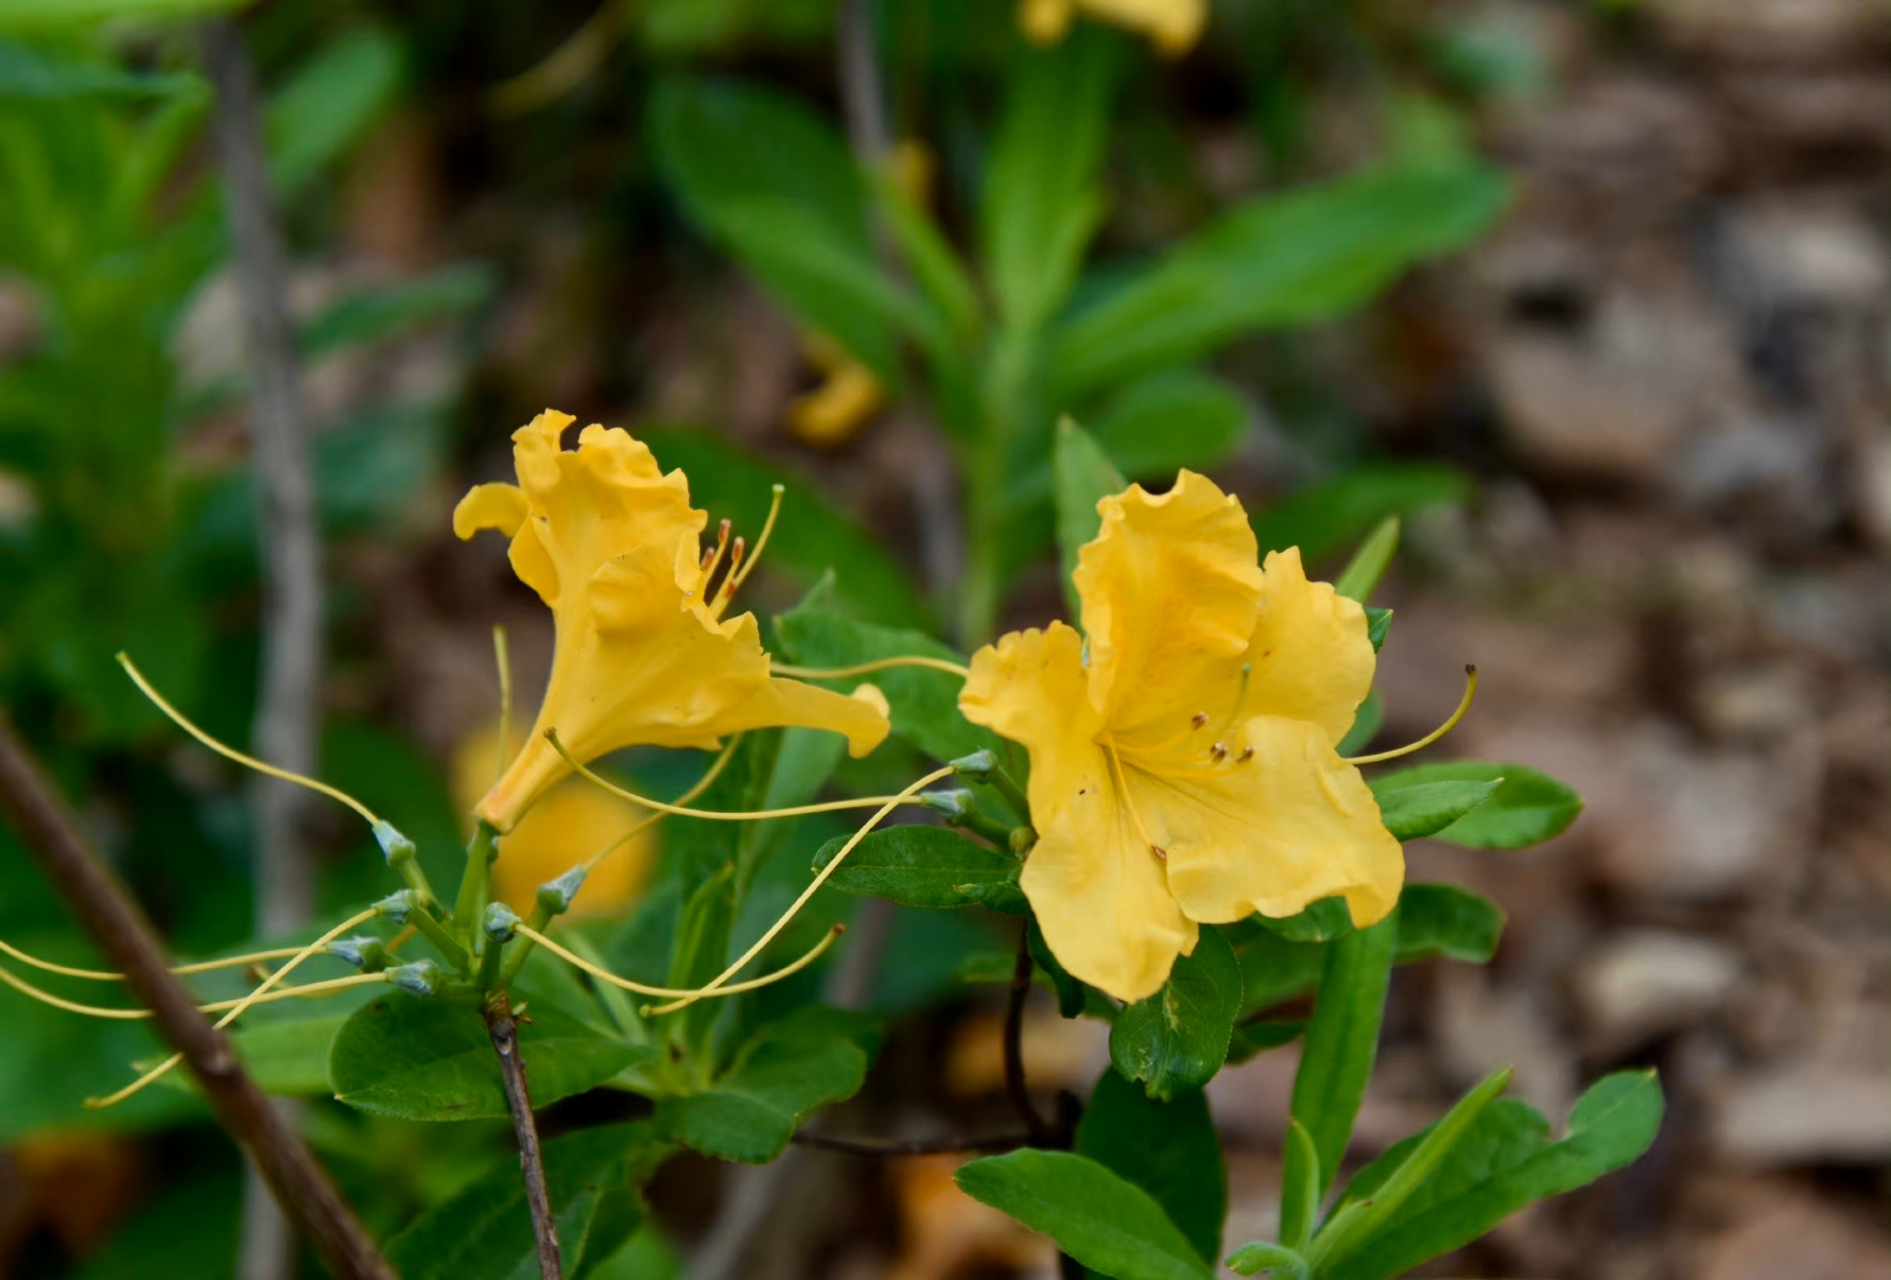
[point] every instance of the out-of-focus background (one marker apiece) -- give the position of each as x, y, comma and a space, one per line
1640, 431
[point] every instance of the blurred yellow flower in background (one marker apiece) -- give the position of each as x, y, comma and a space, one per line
1184, 768
1173, 26
845, 401
570, 823
643, 656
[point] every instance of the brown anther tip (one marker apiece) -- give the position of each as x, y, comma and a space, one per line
1470, 668
1218, 751
1159, 851
839, 929
722, 529
1247, 754
1199, 719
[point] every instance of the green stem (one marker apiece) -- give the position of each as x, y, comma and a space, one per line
445, 943
521, 946
475, 882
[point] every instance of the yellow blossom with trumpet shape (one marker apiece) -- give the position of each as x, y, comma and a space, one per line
644, 655
1184, 768
569, 822
1173, 26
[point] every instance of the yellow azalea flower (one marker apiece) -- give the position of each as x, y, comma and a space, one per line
644, 655
1173, 26
848, 397
1184, 770
569, 823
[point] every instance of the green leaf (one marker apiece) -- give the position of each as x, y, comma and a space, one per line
935, 266
1342, 1040
1302, 1188
1371, 714
811, 535
288, 1058
1323, 517
1502, 1164
1277, 261
1073, 997
329, 104
775, 183
1082, 475
1178, 1038
1169, 1149
927, 867
1378, 624
431, 1059
1529, 808
385, 311
1413, 810
1364, 1219
700, 955
924, 702
1041, 202
29, 74
1106, 1223
1362, 573
1445, 920
1274, 969
1322, 921
1181, 418
1262, 1255
52, 15
484, 1232
1257, 1036
811, 1058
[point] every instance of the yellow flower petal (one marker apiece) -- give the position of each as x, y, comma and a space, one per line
1046, 21
1099, 893
612, 544
1312, 659
1170, 594
1030, 687
490, 506
1095, 886
1288, 826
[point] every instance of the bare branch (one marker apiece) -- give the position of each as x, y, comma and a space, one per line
505, 1042
115, 922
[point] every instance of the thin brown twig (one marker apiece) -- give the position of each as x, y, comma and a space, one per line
1016, 1087
122, 932
911, 1146
504, 1030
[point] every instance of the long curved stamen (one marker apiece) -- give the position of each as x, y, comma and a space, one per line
100, 975
231, 753
734, 988
1464, 705
502, 658
863, 668
753, 815
27, 989
833, 864
702, 784
1240, 696
736, 579
237, 1007
1129, 802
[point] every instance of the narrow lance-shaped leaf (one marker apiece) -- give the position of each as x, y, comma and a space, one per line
1169, 1149
1355, 1228
1082, 475
1343, 1039
1103, 1221
1504, 1163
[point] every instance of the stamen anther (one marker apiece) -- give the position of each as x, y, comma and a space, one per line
1247, 754
1199, 719
1217, 753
